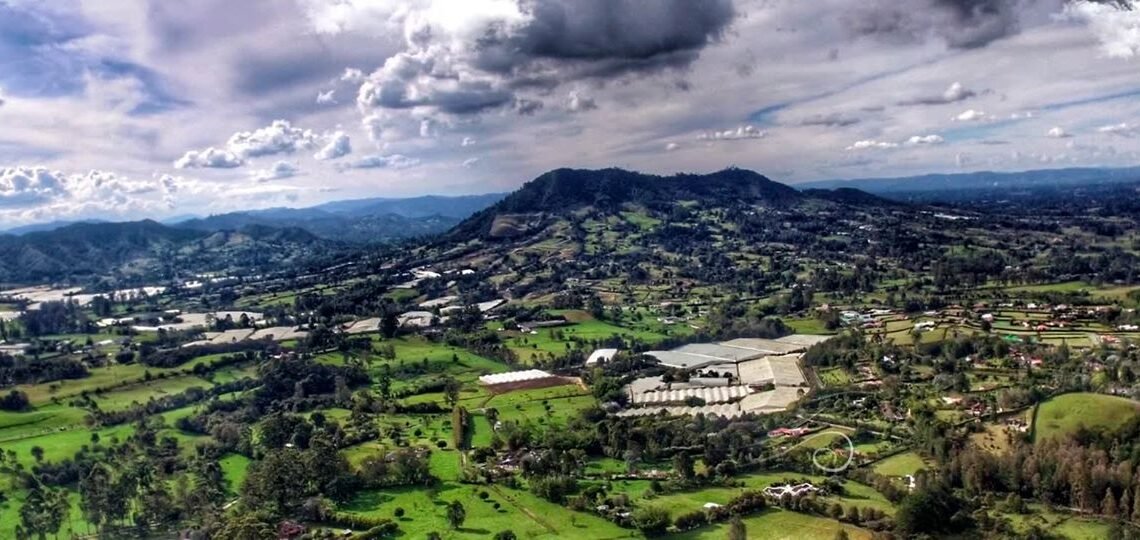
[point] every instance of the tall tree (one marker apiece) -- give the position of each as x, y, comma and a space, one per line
456, 514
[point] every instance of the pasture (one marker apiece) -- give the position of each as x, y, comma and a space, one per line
1066, 413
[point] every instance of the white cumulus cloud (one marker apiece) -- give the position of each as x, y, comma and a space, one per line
279, 170
213, 158
339, 145
1116, 25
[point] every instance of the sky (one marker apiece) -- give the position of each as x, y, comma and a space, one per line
124, 109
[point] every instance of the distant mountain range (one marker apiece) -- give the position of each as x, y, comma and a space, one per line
983, 184
359, 221
149, 250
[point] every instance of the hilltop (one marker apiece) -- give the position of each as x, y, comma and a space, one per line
147, 248
610, 190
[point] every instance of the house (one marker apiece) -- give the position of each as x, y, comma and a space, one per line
788, 432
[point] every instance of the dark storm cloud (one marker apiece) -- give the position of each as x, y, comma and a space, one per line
620, 30
963, 24
561, 41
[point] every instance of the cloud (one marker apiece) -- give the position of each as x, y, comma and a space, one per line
339, 145
467, 141
393, 161
26, 186
212, 158
280, 137
961, 24
527, 107
971, 115
1115, 23
869, 144
829, 120
1057, 132
921, 140
36, 192
1122, 129
915, 140
953, 94
464, 58
374, 127
429, 128
671, 146
353, 75
327, 97
470, 162
577, 102
742, 132
279, 170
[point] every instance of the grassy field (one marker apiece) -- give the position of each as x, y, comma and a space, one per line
900, 464
560, 340
519, 511
1063, 525
686, 501
1064, 414
778, 524
834, 377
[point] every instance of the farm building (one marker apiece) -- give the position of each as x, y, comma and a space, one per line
747, 365
775, 400
521, 380
601, 356
709, 394
781, 370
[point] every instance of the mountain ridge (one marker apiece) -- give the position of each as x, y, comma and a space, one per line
562, 189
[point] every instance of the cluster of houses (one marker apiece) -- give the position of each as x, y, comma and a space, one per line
439, 310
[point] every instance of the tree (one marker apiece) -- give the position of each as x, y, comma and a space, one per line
451, 391
1108, 506
389, 325
683, 464
456, 514
736, 529
651, 520
15, 400
247, 526
506, 535
842, 535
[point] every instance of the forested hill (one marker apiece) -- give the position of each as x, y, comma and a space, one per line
87, 250
609, 190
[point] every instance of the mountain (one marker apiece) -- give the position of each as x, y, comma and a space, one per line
609, 189
49, 226
848, 195
415, 207
149, 250
362, 221
957, 186
614, 232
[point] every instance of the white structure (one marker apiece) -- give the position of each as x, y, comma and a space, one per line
710, 395
783, 370
514, 377
601, 355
